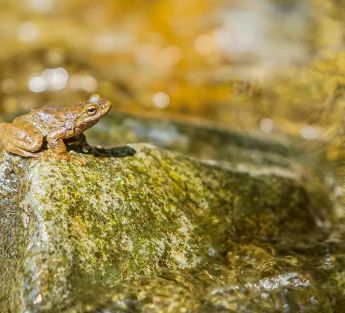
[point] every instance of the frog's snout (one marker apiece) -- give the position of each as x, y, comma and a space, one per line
103, 103
106, 105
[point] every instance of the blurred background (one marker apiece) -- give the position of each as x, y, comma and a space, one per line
263, 65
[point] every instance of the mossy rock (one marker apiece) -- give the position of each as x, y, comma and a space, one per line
159, 232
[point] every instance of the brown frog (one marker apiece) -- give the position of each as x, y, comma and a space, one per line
27, 134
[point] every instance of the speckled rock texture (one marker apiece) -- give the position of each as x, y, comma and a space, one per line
158, 232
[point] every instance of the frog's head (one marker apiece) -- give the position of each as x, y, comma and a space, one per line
92, 110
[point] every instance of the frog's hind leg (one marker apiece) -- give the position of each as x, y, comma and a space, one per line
28, 138
24, 141
21, 152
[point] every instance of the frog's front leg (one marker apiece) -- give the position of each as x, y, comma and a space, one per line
59, 149
56, 143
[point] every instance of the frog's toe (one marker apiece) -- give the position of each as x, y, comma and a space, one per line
21, 152
52, 155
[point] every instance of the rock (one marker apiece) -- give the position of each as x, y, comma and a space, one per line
203, 141
159, 232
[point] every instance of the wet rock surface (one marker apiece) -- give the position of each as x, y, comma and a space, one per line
201, 140
161, 232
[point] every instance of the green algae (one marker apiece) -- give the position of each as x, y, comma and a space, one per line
160, 230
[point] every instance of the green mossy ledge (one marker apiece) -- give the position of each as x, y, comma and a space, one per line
157, 232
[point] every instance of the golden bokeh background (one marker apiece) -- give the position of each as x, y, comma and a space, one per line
255, 65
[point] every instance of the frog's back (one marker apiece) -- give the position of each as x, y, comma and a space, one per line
44, 119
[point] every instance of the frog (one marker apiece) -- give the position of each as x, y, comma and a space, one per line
52, 126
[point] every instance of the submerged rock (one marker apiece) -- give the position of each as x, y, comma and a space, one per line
158, 232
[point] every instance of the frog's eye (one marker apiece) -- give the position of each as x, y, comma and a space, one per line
91, 110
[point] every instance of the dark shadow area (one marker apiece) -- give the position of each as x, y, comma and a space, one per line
115, 152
